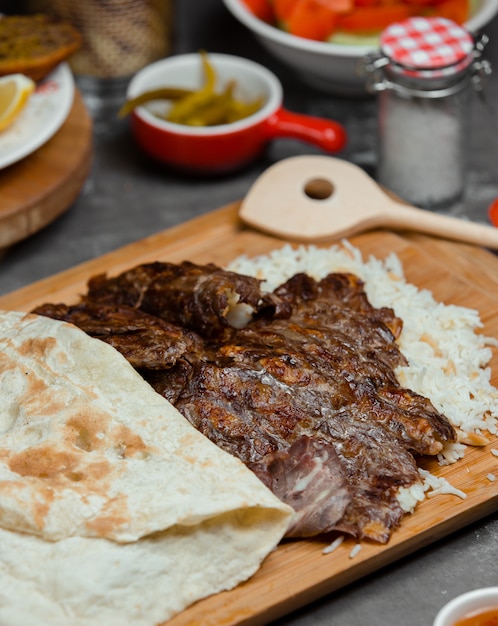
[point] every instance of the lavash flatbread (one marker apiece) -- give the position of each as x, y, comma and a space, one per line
112, 506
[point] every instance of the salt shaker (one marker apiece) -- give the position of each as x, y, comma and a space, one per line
424, 74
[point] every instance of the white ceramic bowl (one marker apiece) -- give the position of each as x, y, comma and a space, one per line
331, 67
462, 605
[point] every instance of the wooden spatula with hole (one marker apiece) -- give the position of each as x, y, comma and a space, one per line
321, 198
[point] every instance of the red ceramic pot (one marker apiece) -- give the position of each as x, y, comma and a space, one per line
226, 147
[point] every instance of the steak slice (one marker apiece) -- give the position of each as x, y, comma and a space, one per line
362, 340
339, 301
225, 404
258, 410
144, 340
203, 298
308, 475
375, 467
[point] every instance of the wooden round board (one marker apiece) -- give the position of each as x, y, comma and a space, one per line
37, 189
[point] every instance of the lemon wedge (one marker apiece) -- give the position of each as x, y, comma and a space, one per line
15, 90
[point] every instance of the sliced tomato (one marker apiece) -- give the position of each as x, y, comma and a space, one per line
312, 19
367, 3
319, 19
283, 8
373, 19
262, 9
422, 2
338, 6
456, 10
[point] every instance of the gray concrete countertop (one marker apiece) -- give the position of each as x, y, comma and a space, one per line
127, 197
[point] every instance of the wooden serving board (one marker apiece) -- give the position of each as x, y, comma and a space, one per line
40, 187
298, 572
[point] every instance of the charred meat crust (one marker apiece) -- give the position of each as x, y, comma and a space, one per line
197, 297
146, 341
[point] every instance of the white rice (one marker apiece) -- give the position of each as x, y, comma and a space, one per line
334, 545
447, 355
355, 550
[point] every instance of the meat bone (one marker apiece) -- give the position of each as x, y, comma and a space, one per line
321, 198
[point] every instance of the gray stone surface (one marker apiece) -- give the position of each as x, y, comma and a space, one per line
127, 198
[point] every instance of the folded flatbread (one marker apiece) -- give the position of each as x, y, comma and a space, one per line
113, 509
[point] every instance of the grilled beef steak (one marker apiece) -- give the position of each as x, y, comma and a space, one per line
299, 384
145, 340
203, 298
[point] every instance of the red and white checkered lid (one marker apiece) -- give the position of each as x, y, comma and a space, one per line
427, 43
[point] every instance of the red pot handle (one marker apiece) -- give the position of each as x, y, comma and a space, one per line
493, 213
325, 134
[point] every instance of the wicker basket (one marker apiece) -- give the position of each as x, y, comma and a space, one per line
119, 36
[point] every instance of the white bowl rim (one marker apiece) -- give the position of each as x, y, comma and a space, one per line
487, 11
273, 103
465, 601
485, 14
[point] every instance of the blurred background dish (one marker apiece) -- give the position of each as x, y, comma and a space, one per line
330, 67
222, 147
118, 39
484, 12
34, 45
461, 609
44, 114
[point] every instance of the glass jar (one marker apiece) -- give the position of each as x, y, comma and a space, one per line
119, 38
424, 74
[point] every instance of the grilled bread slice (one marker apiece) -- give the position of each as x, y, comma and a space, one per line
34, 45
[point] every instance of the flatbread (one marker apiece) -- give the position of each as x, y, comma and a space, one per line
111, 504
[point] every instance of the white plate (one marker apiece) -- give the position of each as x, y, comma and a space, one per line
46, 111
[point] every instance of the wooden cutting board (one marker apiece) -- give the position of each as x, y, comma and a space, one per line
40, 187
298, 572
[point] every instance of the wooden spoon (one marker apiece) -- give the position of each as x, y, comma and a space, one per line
319, 198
